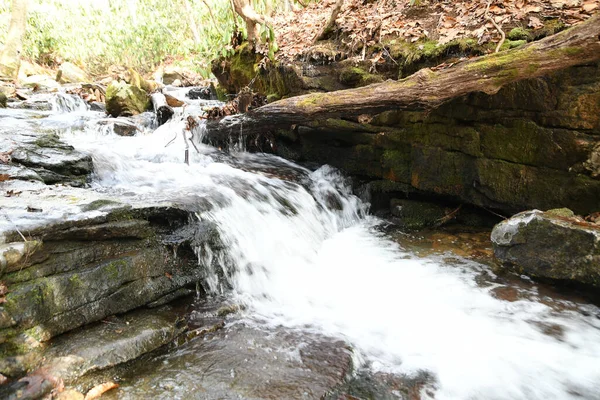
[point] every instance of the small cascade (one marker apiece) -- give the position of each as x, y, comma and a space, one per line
67, 103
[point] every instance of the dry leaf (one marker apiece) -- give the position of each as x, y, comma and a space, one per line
590, 6
535, 23
99, 390
4, 177
5, 156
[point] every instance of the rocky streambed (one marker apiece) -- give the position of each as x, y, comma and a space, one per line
248, 276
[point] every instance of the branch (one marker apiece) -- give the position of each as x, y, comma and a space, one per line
328, 28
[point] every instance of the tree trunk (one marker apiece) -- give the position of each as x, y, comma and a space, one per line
10, 60
425, 89
251, 18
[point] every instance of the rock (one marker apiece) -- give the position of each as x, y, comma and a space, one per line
134, 78
170, 75
548, 245
97, 106
40, 82
123, 99
93, 261
532, 145
120, 126
284, 365
100, 346
29, 69
203, 93
52, 160
415, 215
3, 100
71, 73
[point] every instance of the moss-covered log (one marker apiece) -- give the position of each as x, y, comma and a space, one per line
427, 89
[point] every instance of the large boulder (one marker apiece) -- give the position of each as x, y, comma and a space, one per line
71, 73
124, 99
551, 244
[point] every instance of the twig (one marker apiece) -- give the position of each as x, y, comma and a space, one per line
501, 42
448, 216
495, 213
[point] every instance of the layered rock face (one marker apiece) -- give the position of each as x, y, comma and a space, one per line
74, 273
534, 144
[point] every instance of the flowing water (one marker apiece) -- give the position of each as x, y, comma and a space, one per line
303, 255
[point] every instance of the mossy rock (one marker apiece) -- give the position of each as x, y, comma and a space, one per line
547, 246
3, 100
124, 99
416, 215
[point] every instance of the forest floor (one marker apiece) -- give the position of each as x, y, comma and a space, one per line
367, 23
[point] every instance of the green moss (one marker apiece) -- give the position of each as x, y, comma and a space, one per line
273, 97
512, 44
519, 34
3, 100
560, 212
397, 165
75, 280
113, 269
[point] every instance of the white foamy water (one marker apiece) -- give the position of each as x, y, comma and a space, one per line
306, 256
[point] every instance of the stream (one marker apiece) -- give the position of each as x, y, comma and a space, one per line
312, 270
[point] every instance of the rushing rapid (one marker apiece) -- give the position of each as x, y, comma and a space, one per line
301, 252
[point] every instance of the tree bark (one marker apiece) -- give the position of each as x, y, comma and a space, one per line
425, 89
10, 60
251, 18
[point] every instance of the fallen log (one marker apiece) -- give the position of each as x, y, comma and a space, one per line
163, 111
425, 89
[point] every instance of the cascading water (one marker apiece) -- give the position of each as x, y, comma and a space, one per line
303, 254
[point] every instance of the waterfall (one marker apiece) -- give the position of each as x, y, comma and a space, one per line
300, 251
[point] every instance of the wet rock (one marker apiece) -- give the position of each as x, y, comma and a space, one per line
97, 106
415, 215
96, 347
123, 99
113, 260
3, 100
202, 93
71, 73
52, 160
120, 126
19, 172
117, 340
549, 245
240, 361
